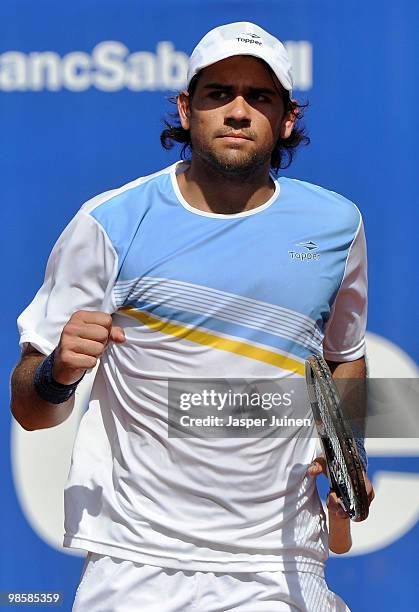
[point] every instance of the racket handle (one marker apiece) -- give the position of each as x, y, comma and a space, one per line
340, 539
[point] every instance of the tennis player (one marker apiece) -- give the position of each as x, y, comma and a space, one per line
209, 268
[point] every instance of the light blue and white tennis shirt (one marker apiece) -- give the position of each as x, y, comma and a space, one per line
201, 295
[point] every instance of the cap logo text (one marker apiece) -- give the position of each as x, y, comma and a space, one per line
251, 41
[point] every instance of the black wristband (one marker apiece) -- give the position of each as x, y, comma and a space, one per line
49, 389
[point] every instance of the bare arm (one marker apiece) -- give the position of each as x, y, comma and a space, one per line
83, 340
29, 410
349, 369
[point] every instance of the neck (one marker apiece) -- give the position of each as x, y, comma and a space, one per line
210, 190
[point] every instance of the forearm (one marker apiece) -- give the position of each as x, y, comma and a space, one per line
30, 411
82, 342
349, 369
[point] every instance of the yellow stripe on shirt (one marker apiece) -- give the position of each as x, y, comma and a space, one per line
218, 342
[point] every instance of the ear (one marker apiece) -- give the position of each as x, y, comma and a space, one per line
183, 109
288, 123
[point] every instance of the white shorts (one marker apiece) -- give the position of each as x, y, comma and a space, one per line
116, 585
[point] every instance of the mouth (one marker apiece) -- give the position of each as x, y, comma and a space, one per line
234, 137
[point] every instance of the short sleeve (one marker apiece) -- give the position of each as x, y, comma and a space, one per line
80, 275
345, 329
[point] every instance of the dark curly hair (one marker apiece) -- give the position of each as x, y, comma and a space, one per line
284, 151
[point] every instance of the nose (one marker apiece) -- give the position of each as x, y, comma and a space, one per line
238, 110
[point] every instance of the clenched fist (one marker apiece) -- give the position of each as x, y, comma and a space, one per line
83, 340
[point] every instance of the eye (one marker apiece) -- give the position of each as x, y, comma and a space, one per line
218, 94
259, 97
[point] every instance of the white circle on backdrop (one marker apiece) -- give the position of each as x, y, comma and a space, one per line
389, 519
41, 461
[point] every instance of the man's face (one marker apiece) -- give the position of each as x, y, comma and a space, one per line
236, 115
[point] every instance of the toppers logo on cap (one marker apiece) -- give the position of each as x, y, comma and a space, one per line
241, 38
252, 40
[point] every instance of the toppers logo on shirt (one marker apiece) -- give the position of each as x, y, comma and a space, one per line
307, 255
250, 38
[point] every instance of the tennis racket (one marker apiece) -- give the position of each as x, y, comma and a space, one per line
344, 467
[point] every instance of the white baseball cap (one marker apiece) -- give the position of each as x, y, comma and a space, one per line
241, 38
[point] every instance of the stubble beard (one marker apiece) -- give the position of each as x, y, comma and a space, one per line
240, 167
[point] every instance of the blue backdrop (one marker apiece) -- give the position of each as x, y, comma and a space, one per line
83, 90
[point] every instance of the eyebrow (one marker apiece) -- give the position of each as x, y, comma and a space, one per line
229, 88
